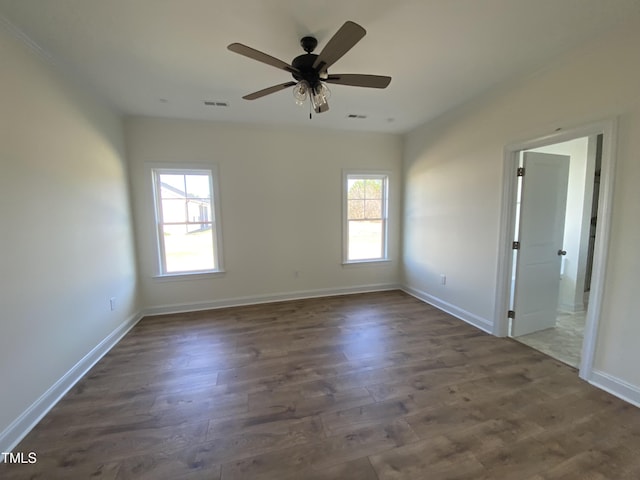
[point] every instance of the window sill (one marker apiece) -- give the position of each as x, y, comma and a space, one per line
355, 263
177, 277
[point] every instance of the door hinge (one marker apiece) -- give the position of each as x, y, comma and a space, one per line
516, 245
521, 171
511, 314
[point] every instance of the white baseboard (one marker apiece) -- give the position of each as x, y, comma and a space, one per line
270, 298
21, 426
571, 308
615, 386
472, 319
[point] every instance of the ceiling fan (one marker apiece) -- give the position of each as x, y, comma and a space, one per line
310, 71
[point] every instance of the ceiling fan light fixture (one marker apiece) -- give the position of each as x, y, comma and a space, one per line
319, 97
301, 92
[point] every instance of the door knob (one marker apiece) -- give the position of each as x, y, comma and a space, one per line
562, 252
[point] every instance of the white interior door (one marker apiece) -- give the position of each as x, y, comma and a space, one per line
542, 216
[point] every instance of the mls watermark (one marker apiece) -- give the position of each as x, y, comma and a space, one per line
19, 457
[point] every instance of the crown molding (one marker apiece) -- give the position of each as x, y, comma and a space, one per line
19, 35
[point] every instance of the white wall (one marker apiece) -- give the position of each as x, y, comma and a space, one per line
577, 220
66, 245
281, 204
453, 182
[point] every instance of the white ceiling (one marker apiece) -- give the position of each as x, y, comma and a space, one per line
165, 57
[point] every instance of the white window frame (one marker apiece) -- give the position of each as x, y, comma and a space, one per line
385, 176
211, 170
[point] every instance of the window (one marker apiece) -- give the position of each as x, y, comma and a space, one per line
186, 220
365, 222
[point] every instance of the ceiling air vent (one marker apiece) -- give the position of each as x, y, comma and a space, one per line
215, 104
353, 115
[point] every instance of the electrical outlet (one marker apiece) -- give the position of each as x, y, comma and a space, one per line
112, 303
443, 279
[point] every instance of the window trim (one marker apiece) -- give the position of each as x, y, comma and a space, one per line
154, 169
365, 174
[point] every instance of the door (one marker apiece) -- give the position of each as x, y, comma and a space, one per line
539, 260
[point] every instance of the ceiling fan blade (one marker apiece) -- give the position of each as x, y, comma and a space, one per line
269, 90
261, 57
357, 80
349, 34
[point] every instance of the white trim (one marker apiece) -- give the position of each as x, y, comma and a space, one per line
615, 386
603, 229
385, 176
21, 426
468, 317
571, 307
154, 168
364, 263
505, 239
605, 204
28, 42
178, 277
270, 298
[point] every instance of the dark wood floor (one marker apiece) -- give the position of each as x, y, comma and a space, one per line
360, 387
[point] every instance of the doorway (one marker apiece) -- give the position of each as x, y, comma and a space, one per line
557, 187
580, 259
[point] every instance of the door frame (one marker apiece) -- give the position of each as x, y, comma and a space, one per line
608, 128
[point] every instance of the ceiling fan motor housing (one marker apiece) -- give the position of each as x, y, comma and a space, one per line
304, 64
308, 44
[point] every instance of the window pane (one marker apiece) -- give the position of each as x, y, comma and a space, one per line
373, 188
198, 186
172, 185
188, 248
187, 225
173, 210
199, 211
356, 209
365, 240
373, 209
355, 188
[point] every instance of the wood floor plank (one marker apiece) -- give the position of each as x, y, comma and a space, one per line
359, 469
322, 454
371, 386
344, 421
51, 468
185, 466
434, 459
